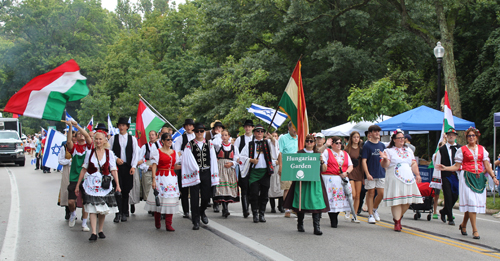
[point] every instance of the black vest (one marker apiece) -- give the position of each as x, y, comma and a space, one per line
202, 156
148, 152
242, 142
128, 149
445, 158
184, 141
266, 150
227, 154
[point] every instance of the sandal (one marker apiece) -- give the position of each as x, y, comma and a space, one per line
475, 237
464, 233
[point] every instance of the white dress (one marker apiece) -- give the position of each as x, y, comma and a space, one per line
333, 184
400, 185
470, 201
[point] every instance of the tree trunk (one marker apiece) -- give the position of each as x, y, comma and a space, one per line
446, 28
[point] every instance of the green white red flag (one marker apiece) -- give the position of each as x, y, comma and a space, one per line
146, 121
45, 96
448, 122
293, 103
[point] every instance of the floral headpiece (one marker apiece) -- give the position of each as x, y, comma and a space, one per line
398, 131
103, 132
475, 130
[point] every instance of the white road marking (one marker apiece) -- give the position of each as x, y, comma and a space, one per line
10, 241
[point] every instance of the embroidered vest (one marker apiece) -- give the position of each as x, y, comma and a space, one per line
104, 168
332, 166
128, 149
265, 151
223, 154
468, 161
202, 156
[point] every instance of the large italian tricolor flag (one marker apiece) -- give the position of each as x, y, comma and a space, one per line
45, 96
146, 121
293, 103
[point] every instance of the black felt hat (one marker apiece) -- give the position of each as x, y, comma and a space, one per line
101, 126
199, 126
218, 124
188, 122
248, 123
123, 120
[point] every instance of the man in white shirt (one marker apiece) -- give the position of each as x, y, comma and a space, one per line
179, 145
240, 143
214, 136
126, 151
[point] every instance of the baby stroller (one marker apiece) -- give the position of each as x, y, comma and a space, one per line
428, 205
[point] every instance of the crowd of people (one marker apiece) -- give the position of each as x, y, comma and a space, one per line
105, 174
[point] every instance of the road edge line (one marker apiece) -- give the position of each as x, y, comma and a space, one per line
10, 240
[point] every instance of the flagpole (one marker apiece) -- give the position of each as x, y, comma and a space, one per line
158, 113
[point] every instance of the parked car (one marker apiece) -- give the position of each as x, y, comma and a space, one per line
11, 148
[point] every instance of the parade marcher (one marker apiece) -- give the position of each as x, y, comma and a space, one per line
145, 163
64, 160
125, 148
260, 153
227, 190
375, 174
275, 191
99, 200
402, 177
473, 162
78, 151
339, 165
314, 198
164, 185
288, 143
32, 142
45, 169
449, 180
240, 143
38, 149
179, 145
214, 136
356, 177
200, 173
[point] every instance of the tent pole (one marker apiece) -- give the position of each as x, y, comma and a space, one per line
428, 151
494, 151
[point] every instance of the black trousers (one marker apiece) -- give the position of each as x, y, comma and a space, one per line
184, 192
126, 183
38, 160
449, 198
243, 183
205, 187
258, 193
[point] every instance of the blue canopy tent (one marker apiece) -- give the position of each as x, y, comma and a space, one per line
496, 123
422, 118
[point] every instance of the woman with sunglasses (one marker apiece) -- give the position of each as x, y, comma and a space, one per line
164, 183
472, 160
338, 165
314, 197
402, 171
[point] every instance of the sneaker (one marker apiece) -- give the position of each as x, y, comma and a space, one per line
85, 229
355, 220
287, 214
72, 221
371, 219
497, 215
347, 216
375, 215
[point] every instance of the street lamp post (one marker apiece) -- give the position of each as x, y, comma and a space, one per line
439, 53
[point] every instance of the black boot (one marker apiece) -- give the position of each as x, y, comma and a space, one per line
262, 210
333, 219
132, 208
316, 219
117, 218
273, 205
216, 207
67, 213
280, 205
244, 206
255, 214
300, 221
225, 210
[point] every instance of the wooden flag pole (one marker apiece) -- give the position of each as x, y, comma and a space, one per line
158, 113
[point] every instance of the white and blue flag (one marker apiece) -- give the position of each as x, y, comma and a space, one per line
53, 146
69, 118
178, 133
112, 130
266, 114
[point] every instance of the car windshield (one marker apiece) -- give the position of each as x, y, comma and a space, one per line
9, 135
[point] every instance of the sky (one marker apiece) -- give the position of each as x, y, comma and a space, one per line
111, 4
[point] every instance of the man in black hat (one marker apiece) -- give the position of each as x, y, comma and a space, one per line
199, 173
261, 153
449, 179
240, 143
179, 145
215, 138
126, 151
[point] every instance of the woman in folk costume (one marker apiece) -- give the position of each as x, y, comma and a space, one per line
275, 191
99, 165
227, 190
473, 162
164, 184
314, 198
401, 178
64, 159
338, 165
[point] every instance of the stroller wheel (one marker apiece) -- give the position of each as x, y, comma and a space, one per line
429, 217
415, 216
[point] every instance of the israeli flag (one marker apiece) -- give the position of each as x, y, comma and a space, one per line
69, 118
178, 133
112, 130
266, 114
53, 146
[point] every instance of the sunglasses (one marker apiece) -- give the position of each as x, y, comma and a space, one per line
400, 138
309, 141
471, 136
167, 139
199, 131
338, 143
260, 131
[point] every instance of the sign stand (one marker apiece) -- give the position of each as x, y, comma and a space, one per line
300, 195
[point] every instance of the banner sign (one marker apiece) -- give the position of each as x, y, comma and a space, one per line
300, 167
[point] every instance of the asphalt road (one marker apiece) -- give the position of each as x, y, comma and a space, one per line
33, 228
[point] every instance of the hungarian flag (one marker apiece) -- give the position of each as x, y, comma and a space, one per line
293, 103
90, 126
45, 96
146, 121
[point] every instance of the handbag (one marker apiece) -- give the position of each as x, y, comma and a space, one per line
106, 179
157, 199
